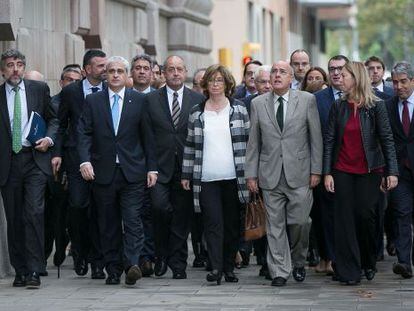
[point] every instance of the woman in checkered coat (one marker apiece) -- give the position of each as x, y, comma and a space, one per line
213, 164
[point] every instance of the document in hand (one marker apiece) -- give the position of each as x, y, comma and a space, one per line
36, 128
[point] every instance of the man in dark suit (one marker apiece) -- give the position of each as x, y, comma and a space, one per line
24, 167
141, 73
84, 229
376, 70
248, 87
262, 83
300, 62
168, 110
116, 150
324, 199
400, 112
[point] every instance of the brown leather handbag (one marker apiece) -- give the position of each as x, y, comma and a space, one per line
255, 221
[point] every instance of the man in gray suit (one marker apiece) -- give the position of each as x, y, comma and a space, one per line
284, 158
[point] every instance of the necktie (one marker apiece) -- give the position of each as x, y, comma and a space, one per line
279, 113
95, 89
175, 114
376, 89
17, 122
339, 94
405, 118
115, 112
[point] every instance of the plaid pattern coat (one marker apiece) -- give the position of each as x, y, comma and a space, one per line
193, 151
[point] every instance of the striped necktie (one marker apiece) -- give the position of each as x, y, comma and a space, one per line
175, 113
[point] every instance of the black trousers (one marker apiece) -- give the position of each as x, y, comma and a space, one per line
83, 223
402, 200
147, 253
356, 198
220, 207
24, 200
120, 207
322, 215
172, 207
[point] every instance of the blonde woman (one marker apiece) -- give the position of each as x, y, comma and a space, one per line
358, 154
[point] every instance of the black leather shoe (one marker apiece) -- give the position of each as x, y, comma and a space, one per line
214, 276
81, 266
403, 270
19, 280
279, 281
133, 274
199, 263
97, 273
370, 274
245, 258
33, 280
230, 277
179, 275
263, 270
391, 249
112, 279
146, 268
299, 274
160, 267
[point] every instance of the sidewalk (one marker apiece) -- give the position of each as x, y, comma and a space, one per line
386, 292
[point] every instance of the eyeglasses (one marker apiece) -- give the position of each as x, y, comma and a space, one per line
263, 81
216, 81
333, 69
282, 72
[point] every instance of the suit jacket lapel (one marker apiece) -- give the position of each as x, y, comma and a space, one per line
106, 105
185, 108
270, 108
3, 108
291, 107
164, 105
29, 99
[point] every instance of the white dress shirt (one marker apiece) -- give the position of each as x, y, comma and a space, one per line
87, 87
170, 95
10, 94
218, 160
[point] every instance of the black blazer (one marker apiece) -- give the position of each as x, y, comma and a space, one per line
169, 141
70, 109
404, 146
38, 99
134, 142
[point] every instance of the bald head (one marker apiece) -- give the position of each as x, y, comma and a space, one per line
34, 75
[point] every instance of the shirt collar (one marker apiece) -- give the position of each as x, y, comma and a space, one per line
379, 87
146, 91
410, 99
284, 96
121, 93
89, 86
9, 87
171, 91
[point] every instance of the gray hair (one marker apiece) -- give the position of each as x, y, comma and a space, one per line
118, 59
12, 53
403, 68
143, 56
264, 68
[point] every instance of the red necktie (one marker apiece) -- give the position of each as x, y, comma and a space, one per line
405, 118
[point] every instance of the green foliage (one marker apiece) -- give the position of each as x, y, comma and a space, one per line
386, 29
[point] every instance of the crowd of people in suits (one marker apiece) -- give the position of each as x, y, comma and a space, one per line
132, 161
